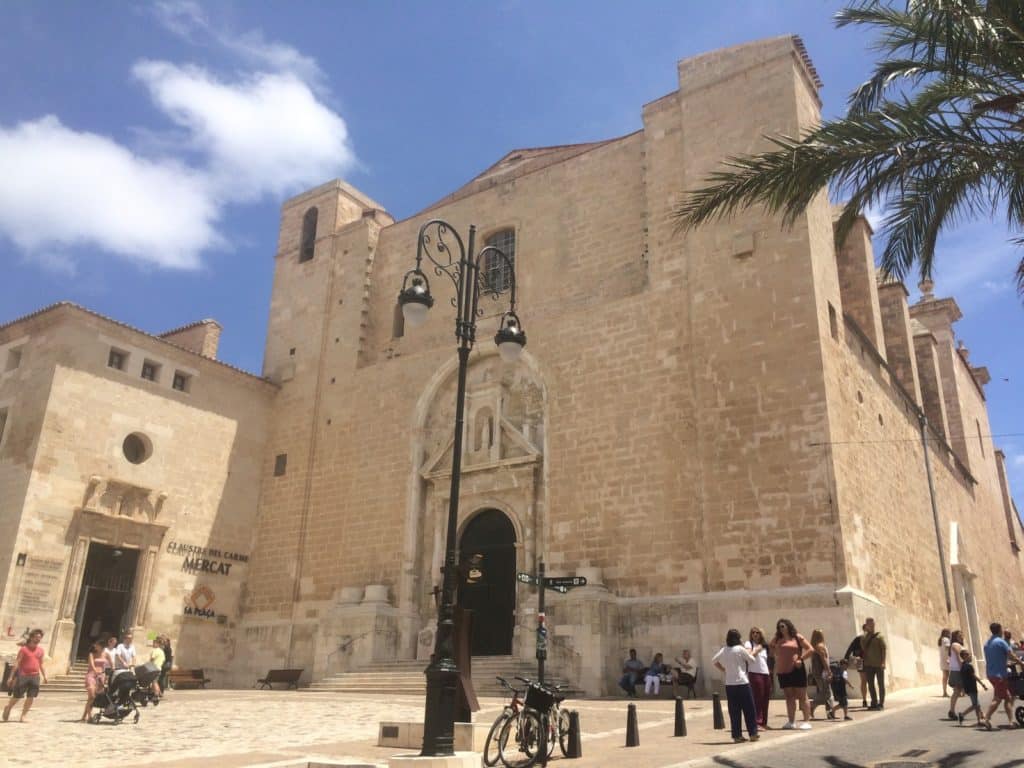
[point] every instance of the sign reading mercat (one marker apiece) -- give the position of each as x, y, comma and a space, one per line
205, 559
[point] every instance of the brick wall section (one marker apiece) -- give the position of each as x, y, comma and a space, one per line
702, 430
202, 338
899, 341
858, 284
210, 484
934, 404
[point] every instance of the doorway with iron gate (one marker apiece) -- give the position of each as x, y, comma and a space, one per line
106, 595
487, 583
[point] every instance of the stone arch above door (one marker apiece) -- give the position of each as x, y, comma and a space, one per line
502, 466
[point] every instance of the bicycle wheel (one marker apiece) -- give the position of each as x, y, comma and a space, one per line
563, 732
517, 743
492, 753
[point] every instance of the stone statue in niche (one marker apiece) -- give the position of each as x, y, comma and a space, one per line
504, 418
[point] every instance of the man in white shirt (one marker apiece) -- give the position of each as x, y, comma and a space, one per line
124, 654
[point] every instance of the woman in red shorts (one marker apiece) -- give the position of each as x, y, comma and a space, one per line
24, 679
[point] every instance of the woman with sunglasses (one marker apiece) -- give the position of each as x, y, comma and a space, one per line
790, 648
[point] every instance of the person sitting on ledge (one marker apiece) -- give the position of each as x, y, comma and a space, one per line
631, 671
686, 670
652, 678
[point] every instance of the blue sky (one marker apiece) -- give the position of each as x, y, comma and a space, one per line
145, 149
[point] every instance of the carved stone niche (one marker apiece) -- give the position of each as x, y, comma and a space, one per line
119, 498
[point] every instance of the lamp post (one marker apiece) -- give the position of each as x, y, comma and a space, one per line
441, 244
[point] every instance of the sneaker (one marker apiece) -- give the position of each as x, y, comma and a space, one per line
755, 736
788, 726
847, 717
960, 717
804, 726
951, 715
864, 703
988, 724
738, 739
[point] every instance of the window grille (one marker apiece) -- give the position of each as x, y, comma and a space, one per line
497, 273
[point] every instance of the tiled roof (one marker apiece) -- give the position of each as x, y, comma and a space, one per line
77, 308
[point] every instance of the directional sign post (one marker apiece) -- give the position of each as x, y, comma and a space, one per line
561, 584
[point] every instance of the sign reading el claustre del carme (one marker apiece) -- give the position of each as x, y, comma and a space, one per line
197, 559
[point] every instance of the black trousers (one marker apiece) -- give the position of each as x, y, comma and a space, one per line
876, 675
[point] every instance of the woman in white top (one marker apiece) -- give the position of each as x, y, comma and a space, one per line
944, 643
956, 639
760, 675
734, 659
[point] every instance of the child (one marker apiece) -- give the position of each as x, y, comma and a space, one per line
840, 682
24, 678
970, 688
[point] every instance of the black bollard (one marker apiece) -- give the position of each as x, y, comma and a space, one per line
632, 729
680, 718
716, 705
575, 747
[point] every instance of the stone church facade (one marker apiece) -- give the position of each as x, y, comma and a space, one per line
716, 429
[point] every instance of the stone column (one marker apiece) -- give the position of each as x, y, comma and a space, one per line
63, 638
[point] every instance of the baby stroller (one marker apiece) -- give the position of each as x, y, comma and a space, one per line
1016, 683
124, 689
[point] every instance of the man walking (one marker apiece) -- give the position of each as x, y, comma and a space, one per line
873, 647
998, 654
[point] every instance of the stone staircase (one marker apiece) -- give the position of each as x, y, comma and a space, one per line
406, 678
72, 682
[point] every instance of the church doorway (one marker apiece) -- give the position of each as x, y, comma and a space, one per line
487, 583
106, 594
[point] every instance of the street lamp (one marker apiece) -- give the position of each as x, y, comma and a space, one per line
443, 246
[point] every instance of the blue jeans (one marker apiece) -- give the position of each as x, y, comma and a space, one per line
628, 683
741, 700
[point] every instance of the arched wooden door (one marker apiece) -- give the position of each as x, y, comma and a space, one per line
487, 581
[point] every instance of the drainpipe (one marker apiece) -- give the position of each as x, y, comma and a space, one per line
923, 420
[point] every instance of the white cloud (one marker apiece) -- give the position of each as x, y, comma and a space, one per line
1018, 460
265, 131
265, 134
189, 21
61, 188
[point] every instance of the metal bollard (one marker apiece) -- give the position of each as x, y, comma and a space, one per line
575, 747
680, 718
716, 705
632, 728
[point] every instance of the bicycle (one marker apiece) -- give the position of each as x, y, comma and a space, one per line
519, 737
492, 754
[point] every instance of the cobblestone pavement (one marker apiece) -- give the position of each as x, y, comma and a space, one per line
279, 728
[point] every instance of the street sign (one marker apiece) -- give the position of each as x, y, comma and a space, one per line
565, 581
526, 578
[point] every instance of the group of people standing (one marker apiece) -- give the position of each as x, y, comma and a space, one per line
959, 673
107, 657
796, 662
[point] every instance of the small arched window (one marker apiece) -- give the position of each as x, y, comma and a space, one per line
308, 235
498, 274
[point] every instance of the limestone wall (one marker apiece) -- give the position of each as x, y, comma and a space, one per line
193, 497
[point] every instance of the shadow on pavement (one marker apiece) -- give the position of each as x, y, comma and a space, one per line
951, 760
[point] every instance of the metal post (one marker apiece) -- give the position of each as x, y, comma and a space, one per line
442, 674
542, 649
439, 243
935, 510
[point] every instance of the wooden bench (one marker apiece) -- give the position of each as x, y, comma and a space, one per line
290, 677
187, 678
